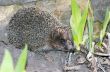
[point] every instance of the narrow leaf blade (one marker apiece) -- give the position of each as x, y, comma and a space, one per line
90, 33
107, 19
21, 61
82, 24
74, 33
76, 13
7, 64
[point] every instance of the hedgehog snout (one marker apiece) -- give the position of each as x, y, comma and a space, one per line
69, 45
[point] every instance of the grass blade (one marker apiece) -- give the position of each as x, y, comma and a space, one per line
74, 33
74, 21
82, 24
90, 34
7, 64
22, 61
77, 23
76, 13
107, 18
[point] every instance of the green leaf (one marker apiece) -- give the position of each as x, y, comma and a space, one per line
77, 23
76, 13
82, 24
90, 33
7, 64
74, 21
107, 18
74, 33
20, 67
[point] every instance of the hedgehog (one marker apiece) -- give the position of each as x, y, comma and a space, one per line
38, 28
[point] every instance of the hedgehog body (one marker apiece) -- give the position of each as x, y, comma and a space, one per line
36, 28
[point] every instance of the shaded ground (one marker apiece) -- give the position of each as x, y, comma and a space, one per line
51, 62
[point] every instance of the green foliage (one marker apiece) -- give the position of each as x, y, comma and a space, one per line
7, 64
22, 61
90, 34
105, 23
77, 23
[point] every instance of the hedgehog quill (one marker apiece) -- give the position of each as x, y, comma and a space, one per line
38, 28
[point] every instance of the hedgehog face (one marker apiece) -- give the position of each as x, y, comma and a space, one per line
61, 38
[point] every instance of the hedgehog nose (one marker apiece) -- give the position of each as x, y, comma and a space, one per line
69, 45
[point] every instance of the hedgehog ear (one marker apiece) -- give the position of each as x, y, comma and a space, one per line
54, 33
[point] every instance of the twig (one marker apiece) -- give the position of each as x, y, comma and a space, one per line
68, 62
108, 34
68, 59
100, 66
90, 57
102, 54
71, 68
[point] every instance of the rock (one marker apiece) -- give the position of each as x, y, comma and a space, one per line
99, 9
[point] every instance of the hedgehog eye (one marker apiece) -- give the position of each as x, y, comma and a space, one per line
63, 41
